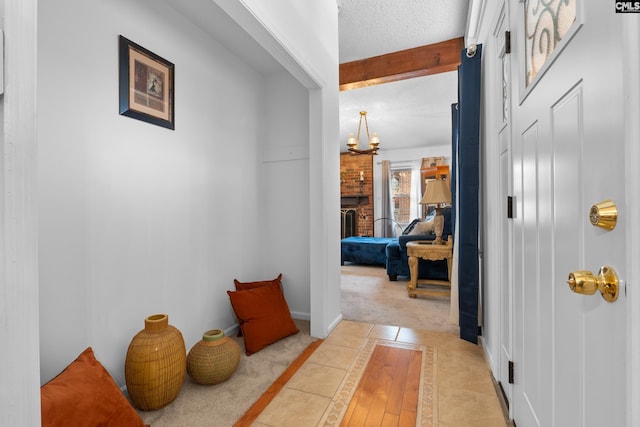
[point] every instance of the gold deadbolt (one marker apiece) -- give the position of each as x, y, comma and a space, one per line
604, 215
586, 283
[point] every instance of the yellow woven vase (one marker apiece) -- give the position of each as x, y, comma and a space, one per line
213, 359
155, 365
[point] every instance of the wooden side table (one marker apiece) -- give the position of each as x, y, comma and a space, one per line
425, 249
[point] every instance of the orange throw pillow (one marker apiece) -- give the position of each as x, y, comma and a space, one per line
243, 286
84, 394
264, 316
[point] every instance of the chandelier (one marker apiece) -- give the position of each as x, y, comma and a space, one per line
352, 143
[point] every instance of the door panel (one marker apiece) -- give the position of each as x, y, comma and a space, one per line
545, 256
527, 333
569, 331
568, 155
506, 293
531, 291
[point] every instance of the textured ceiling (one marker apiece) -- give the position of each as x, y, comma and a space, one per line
373, 27
408, 113
405, 114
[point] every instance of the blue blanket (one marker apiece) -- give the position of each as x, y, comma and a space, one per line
365, 250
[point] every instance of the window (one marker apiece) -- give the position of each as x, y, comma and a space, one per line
401, 195
401, 192
546, 23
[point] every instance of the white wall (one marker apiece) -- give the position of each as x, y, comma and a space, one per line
136, 219
284, 202
309, 32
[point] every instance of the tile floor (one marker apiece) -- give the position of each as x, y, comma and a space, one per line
463, 391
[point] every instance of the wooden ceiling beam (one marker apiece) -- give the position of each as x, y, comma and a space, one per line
405, 64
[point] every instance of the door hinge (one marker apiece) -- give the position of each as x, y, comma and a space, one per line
511, 380
507, 42
510, 207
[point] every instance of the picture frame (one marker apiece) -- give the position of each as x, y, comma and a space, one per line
146, 85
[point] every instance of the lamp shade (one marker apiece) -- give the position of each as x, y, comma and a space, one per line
351, 142
437, 192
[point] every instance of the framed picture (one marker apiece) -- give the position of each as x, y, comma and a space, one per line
146, 85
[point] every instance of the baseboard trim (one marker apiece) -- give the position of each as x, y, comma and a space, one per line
334, 324
300, 316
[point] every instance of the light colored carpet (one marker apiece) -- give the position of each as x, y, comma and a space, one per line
369, 296
223, 404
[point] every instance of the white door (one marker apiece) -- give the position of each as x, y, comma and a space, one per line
503, 99
568, 154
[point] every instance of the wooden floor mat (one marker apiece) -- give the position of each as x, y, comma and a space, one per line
388, 390
391, 382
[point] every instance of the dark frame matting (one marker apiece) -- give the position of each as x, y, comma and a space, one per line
146, 85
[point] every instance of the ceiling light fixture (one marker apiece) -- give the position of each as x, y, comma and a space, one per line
352, 143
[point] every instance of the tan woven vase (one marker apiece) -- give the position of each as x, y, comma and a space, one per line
155, 364
213, 359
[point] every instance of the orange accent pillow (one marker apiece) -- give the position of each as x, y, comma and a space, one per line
243, 286
85, 394
264, 316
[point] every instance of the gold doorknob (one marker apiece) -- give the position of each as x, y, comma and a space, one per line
586, 283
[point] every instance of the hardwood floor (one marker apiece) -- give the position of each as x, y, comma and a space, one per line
387, 394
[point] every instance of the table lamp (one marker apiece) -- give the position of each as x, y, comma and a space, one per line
437, 193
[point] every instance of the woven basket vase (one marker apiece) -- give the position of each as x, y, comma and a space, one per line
155, 365
213, 359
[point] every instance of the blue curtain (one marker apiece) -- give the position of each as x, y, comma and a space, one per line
455, 124
468, 172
